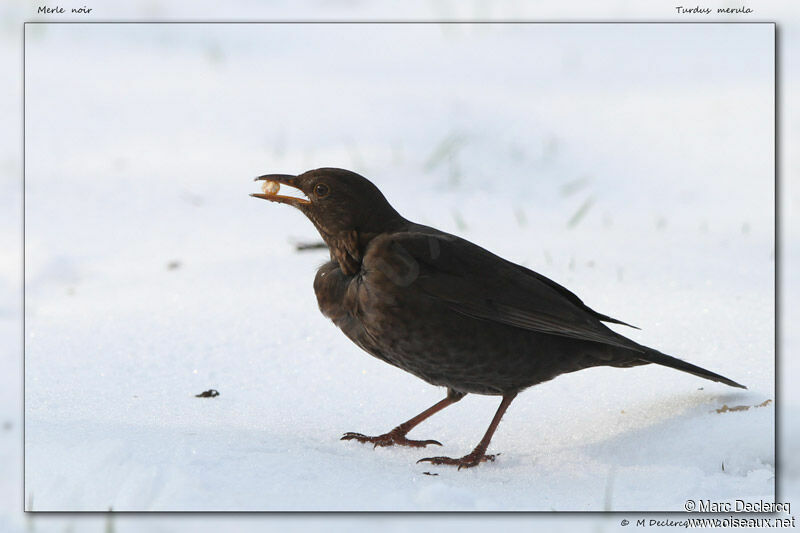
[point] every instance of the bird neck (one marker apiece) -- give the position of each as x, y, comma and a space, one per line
347, 248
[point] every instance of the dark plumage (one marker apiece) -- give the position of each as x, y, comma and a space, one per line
446, 310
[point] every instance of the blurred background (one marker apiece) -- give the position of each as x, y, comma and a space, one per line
560, 146
614, 158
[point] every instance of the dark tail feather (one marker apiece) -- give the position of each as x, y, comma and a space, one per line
604, 318
654, 356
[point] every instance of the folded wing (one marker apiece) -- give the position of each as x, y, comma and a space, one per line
474, 282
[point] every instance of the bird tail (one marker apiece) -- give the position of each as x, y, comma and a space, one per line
654, 356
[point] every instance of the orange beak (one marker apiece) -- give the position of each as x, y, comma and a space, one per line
272, 185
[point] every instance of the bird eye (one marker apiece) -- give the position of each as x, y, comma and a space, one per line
321, 190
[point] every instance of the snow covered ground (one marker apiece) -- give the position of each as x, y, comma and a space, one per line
613, 158
664, 140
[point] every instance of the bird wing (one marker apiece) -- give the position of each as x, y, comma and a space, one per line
474, 282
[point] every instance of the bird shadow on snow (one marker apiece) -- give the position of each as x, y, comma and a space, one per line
659, 430
693, 443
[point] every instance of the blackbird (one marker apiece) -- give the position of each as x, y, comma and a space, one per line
445, 309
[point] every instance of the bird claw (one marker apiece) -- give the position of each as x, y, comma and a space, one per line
389, 439
468, 461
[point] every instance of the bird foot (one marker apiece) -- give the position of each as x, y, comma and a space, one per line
468, 461
389, 439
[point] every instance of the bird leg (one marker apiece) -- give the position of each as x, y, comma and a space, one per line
398, 434
478, 455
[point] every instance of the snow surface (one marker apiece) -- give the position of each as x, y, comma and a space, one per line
141, 144
118, 343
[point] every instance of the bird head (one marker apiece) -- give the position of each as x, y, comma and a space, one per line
340, 203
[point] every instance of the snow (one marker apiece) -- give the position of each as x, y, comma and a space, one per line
144, 157
670, 150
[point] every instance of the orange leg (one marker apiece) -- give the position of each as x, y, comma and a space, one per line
398, 434
478, 455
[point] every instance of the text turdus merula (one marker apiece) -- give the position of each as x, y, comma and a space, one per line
445, 309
